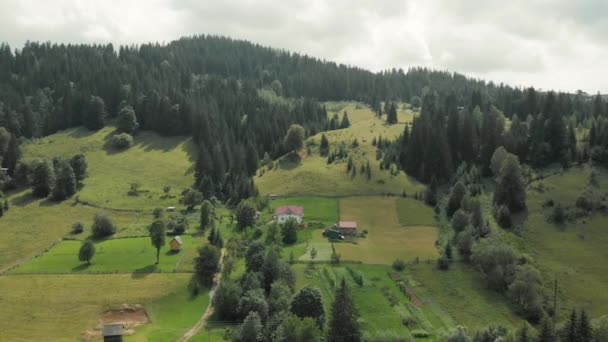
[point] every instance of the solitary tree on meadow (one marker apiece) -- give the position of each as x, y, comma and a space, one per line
87, 251
127, 121
157, 235
294, 139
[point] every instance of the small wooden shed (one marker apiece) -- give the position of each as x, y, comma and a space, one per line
176, 243
112, 332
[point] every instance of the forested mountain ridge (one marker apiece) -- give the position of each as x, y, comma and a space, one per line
207, 87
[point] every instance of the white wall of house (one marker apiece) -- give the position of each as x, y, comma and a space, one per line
283, 218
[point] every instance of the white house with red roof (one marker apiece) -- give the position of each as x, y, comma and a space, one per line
286, 212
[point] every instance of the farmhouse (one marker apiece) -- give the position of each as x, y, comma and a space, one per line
176, 243
347, 227
112, 332
286, 212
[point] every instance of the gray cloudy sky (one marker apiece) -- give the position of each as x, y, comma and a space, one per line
557, 44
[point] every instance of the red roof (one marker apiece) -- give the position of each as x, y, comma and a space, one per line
290, 210
347, 225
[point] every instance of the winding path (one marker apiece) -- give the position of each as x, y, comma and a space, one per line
203, 320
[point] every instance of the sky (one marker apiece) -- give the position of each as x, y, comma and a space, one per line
548, 44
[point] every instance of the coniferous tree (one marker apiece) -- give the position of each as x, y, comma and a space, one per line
584, 330
324, 146
96, 113
345, 123
510, 190
344, 325
571, 331
391, 114
12, 155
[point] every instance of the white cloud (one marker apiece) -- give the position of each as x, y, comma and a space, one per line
549, 44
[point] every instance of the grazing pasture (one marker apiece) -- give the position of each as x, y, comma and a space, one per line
313, 176
153, 162
574, 253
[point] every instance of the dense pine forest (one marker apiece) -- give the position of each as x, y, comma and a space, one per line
237, 99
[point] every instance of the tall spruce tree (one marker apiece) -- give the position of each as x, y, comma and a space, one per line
344, 325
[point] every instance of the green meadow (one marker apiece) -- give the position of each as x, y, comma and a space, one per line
114, 256
153, 162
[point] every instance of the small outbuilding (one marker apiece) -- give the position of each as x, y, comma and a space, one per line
287, 212
333, 233
112, 332
170, 209
176, 243
347, 227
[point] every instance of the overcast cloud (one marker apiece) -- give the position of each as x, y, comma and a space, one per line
551, 44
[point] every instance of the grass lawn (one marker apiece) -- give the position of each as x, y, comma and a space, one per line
153, 161
114, 255
316, 209
171, 316
460, 294
387, 239
313, 176
61, 307
574, 253
32, 225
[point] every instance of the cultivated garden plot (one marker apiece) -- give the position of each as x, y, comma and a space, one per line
114, 255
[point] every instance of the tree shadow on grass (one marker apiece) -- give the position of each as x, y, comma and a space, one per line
23, 200
144, 271
81, 267
172, 252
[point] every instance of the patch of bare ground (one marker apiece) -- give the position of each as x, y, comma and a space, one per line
130, 316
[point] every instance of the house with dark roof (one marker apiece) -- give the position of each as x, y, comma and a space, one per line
112, 332
286, 212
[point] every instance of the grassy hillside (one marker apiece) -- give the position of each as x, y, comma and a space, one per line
313, 176
153, 161
574, 253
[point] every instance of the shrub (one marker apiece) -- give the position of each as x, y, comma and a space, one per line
419, 333
103, 226
122, 141
77, 228
503, 216
398, 265
583, 202
558, 215
443, 263
257, 233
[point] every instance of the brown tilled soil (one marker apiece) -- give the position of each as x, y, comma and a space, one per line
130, 316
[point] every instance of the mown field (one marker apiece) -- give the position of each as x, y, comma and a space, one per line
61, 307
313, 176
387, 239
115, 255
